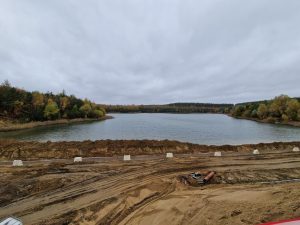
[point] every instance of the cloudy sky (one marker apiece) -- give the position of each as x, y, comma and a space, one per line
153, 51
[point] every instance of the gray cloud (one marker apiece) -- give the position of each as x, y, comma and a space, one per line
131, 51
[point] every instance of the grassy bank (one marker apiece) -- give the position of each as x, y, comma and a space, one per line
6, 126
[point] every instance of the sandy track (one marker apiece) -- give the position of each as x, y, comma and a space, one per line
148, 191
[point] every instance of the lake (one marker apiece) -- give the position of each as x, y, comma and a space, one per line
215, 129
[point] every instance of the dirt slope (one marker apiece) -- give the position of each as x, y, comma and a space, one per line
148, 191
10, 149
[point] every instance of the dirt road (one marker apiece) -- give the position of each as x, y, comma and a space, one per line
147, 191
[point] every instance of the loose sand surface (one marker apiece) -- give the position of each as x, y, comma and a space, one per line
146, 190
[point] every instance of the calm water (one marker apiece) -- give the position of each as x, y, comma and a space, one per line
197, 128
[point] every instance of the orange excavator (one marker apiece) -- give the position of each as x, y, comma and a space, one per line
197, 178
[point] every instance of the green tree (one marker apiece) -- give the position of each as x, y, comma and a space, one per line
254, 113
74, 112
51, 111
96, 113
6, 97
85, 109
18, 105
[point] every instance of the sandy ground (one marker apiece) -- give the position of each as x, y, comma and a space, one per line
147, 190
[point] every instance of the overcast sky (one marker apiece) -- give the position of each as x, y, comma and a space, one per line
159, 51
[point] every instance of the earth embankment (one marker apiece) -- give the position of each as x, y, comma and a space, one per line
30, 150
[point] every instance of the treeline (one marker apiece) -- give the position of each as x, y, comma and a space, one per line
27, 106
281, 108
170, 108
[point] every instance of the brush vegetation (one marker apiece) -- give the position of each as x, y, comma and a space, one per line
171, 108
280, 109
19, 105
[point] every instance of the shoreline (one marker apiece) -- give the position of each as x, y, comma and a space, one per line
29, 125
32, 150
289, 123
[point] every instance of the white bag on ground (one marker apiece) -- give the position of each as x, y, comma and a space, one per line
17, 163
127, 158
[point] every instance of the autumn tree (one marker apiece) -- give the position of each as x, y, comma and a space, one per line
284, 117
38, 104
64, 103
37, 99
262, 111
292, 109
278, 106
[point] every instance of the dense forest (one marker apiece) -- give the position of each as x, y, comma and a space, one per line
27, 106
171, 108
281, 108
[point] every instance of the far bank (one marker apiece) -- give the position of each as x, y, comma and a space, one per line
6, 127
287, 123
